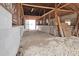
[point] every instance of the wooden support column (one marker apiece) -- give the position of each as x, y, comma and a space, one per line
22, 14
14, 14
76, 30
44, 18
18, 14
49, 20
58, 5
65, 5
38, 22
59, 24
42, 21
49, 24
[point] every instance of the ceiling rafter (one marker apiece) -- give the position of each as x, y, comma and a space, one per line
52, 9
76, 6
58, 10
38, 6
55, 5
46, 13
22, 10
64, 5
67, 10
58, 5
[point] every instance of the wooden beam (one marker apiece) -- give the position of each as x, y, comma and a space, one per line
22, 14
14, 12
18, 14
46, 13
63, 10
48, 19
38, 6
76, 26
78, 31
49, 23
52, 7
44, 19
55, 5
58, 5
59, 24
49, 7
64, 5
58, 10
22, 9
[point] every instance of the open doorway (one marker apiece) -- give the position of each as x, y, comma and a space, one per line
30, 24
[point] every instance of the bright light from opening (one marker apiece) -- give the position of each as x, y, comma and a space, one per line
30, 24
68, 22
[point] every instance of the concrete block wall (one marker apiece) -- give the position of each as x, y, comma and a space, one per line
9, 41
9, 36
21, 30
47, 29
5, 18
52, 29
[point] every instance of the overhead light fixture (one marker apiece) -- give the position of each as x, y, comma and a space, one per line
32, 9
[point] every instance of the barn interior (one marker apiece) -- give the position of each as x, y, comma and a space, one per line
39, 29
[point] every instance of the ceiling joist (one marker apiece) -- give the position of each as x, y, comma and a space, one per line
68, 11
46, 13
52, 7
59, 10
58, 5
38, 6
64, 5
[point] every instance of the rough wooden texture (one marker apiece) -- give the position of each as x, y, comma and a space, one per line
59, 24
66, 30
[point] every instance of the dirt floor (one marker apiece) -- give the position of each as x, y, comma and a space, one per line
36, 43
34, 38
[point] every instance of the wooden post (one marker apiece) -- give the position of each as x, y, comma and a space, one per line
18, 14
49, 24
49, 20
22, 14
44, 18
59, 24
76, 30
14, 14
64, 5
58, 5
42, 21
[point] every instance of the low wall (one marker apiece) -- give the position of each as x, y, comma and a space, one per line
50, 29
10, 40
47, 29
21, 30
